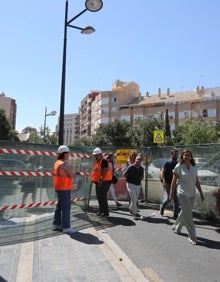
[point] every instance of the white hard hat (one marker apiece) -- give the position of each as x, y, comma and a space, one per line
97, 151
63, 149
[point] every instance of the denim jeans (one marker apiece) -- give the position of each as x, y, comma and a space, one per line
176, 200
62, 212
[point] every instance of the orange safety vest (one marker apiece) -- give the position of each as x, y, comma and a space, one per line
97, 172
61, 180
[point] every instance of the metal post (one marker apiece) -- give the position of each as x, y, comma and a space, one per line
45, 117
62, 95
90, 6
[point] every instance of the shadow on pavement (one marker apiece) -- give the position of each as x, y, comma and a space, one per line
120, 221
211, 244
100, 222
86, 238
157, 220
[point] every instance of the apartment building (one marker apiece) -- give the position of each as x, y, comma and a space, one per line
85, 114
124, 102
71, 128
198, 103
105, 105
10, 108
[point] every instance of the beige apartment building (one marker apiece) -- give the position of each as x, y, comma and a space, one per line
71, 128
10, 108
105, 106
124, 102
198, 103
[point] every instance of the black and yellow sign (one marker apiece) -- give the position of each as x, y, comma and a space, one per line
159, 136
122, 155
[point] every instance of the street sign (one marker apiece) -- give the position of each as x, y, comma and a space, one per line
122, 155
159, 136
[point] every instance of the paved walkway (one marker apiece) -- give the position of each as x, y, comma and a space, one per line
31, 251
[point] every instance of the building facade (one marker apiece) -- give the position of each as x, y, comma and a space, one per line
105, 105
85, 114
71, 128
10, 108
124, 102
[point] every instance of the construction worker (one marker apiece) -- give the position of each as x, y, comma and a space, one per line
63, 184
102, 177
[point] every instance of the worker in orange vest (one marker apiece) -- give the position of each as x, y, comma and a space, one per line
63, 184
102, 177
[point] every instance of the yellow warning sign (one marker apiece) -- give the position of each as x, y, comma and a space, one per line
158, 136
122, 155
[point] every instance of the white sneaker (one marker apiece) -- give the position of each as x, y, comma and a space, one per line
57, 227
192, 241
69, 230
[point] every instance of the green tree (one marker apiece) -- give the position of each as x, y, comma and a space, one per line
85, 141
195, 132
7, 132
142, 133
168, 139
112, 134
42, 137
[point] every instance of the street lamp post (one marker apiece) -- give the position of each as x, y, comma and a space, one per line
92, 6
53, 113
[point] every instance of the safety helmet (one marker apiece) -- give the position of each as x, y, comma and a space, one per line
63, 149
97, 151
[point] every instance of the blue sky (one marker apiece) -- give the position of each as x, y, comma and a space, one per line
156, 43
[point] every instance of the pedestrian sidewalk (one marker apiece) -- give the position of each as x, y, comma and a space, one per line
31, 251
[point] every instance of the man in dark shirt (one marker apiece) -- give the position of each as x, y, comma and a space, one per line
134, 175
166, 179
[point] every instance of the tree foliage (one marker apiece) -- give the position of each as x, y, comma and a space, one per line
195, 132
142, 133
7, 132
112, 134
43, 137
168, 139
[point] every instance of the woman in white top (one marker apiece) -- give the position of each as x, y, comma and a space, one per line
186, 174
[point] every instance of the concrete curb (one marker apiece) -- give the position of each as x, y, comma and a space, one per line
125, 268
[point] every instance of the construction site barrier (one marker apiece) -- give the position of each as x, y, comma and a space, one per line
14, 202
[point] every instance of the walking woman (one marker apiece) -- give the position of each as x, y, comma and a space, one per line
186, 174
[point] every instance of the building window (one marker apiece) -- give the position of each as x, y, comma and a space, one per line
186, 114
104, 111
212, 112
114, 100
137, 117
104, 101
204, 113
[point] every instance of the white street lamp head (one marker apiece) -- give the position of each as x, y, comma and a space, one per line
53, 113
88, 30
94, 5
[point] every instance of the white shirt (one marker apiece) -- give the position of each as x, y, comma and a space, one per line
186, 179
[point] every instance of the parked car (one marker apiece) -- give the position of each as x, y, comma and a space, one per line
217, 166
201, 162
206, 176
155, 167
